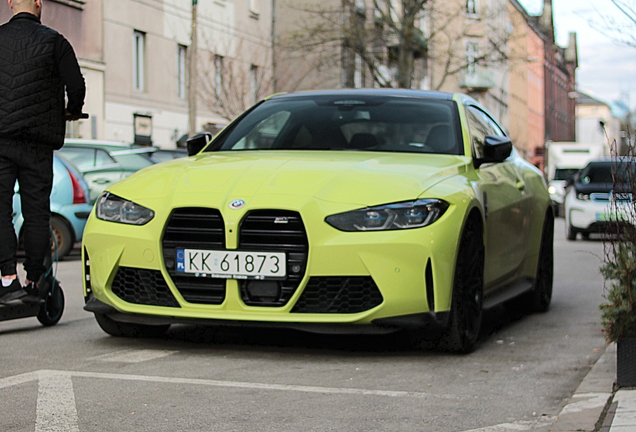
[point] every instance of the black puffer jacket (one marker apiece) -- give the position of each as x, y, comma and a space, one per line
36, 64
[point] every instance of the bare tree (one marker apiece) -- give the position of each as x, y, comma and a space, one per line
397, 41
619, 27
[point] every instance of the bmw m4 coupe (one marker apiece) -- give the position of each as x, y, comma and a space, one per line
328, 211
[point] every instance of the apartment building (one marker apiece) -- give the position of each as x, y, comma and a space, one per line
146, 51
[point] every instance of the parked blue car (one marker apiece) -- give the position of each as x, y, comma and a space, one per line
70, 207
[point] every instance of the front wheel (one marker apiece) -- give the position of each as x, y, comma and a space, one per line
117, 328
53, 307
571, 232
468, 287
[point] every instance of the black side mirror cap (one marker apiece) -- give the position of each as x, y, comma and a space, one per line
198, 142
496, 149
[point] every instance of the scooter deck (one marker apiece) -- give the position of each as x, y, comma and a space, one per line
19, 309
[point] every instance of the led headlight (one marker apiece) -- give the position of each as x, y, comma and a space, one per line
582, 196
404, 215
552, 190
112, 208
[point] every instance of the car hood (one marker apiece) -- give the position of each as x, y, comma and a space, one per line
362, 178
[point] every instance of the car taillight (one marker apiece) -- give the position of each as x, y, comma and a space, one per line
79, 197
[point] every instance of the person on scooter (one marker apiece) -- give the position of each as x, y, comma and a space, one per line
37, 65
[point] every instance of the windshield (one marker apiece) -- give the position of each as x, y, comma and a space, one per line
608, 172
565, 173
347, 123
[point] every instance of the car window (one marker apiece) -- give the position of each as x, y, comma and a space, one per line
132, 161
87, 158
362, 123
480, 124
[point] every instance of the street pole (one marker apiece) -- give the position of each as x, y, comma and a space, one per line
192, 75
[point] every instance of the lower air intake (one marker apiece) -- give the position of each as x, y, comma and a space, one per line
146, 287
338, 295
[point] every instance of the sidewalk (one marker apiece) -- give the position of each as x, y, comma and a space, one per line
588, 408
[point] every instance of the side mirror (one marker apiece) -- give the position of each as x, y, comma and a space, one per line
197, 142
496, 149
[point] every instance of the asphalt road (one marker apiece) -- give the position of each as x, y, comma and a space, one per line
73, 377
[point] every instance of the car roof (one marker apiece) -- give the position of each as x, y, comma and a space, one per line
96, 143
385, 92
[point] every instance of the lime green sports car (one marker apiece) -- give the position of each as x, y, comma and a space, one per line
330, 211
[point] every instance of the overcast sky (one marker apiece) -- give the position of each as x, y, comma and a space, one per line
607, 70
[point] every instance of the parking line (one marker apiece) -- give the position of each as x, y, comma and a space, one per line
56, 409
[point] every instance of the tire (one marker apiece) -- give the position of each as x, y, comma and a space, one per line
571, 232
62, 236
585, 235
119, 329
468, 288
53, 307
540, 297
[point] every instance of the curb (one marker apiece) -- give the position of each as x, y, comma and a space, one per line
588, 403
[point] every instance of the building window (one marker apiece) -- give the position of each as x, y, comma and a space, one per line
139, 60
254, 87
253, 6
218, 77
472, 52
471, 7
182, 52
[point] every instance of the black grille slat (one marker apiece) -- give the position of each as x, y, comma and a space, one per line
338, 295
141, 286
275, 231
194, 228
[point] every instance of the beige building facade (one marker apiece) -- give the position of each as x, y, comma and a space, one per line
146, 46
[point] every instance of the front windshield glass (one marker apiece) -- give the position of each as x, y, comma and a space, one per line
620, 171
387, 124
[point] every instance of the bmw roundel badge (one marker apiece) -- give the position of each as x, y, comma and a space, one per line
237, 204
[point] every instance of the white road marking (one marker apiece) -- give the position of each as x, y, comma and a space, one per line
56, 403
18, 379
133, 356
56, 409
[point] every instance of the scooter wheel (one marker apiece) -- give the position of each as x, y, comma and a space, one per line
52, 308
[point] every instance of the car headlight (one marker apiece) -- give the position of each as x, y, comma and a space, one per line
552, 190
404, 215
112, 208
582, 196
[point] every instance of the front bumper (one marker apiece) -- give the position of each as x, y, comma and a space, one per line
388, 280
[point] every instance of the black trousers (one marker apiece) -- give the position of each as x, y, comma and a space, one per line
32, 166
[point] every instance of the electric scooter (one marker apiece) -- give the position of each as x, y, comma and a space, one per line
47, 306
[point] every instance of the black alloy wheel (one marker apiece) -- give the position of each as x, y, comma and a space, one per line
117, 328
468, 289
541, 295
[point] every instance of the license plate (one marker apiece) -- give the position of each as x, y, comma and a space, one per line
232, 264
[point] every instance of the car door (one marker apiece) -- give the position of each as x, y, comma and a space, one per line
503, 193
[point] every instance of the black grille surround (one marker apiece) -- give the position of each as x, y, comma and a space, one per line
275, 231
341, 295
194, 228
140, 286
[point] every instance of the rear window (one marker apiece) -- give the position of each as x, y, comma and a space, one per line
384, 124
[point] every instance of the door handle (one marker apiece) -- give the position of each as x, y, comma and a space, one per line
101, 181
